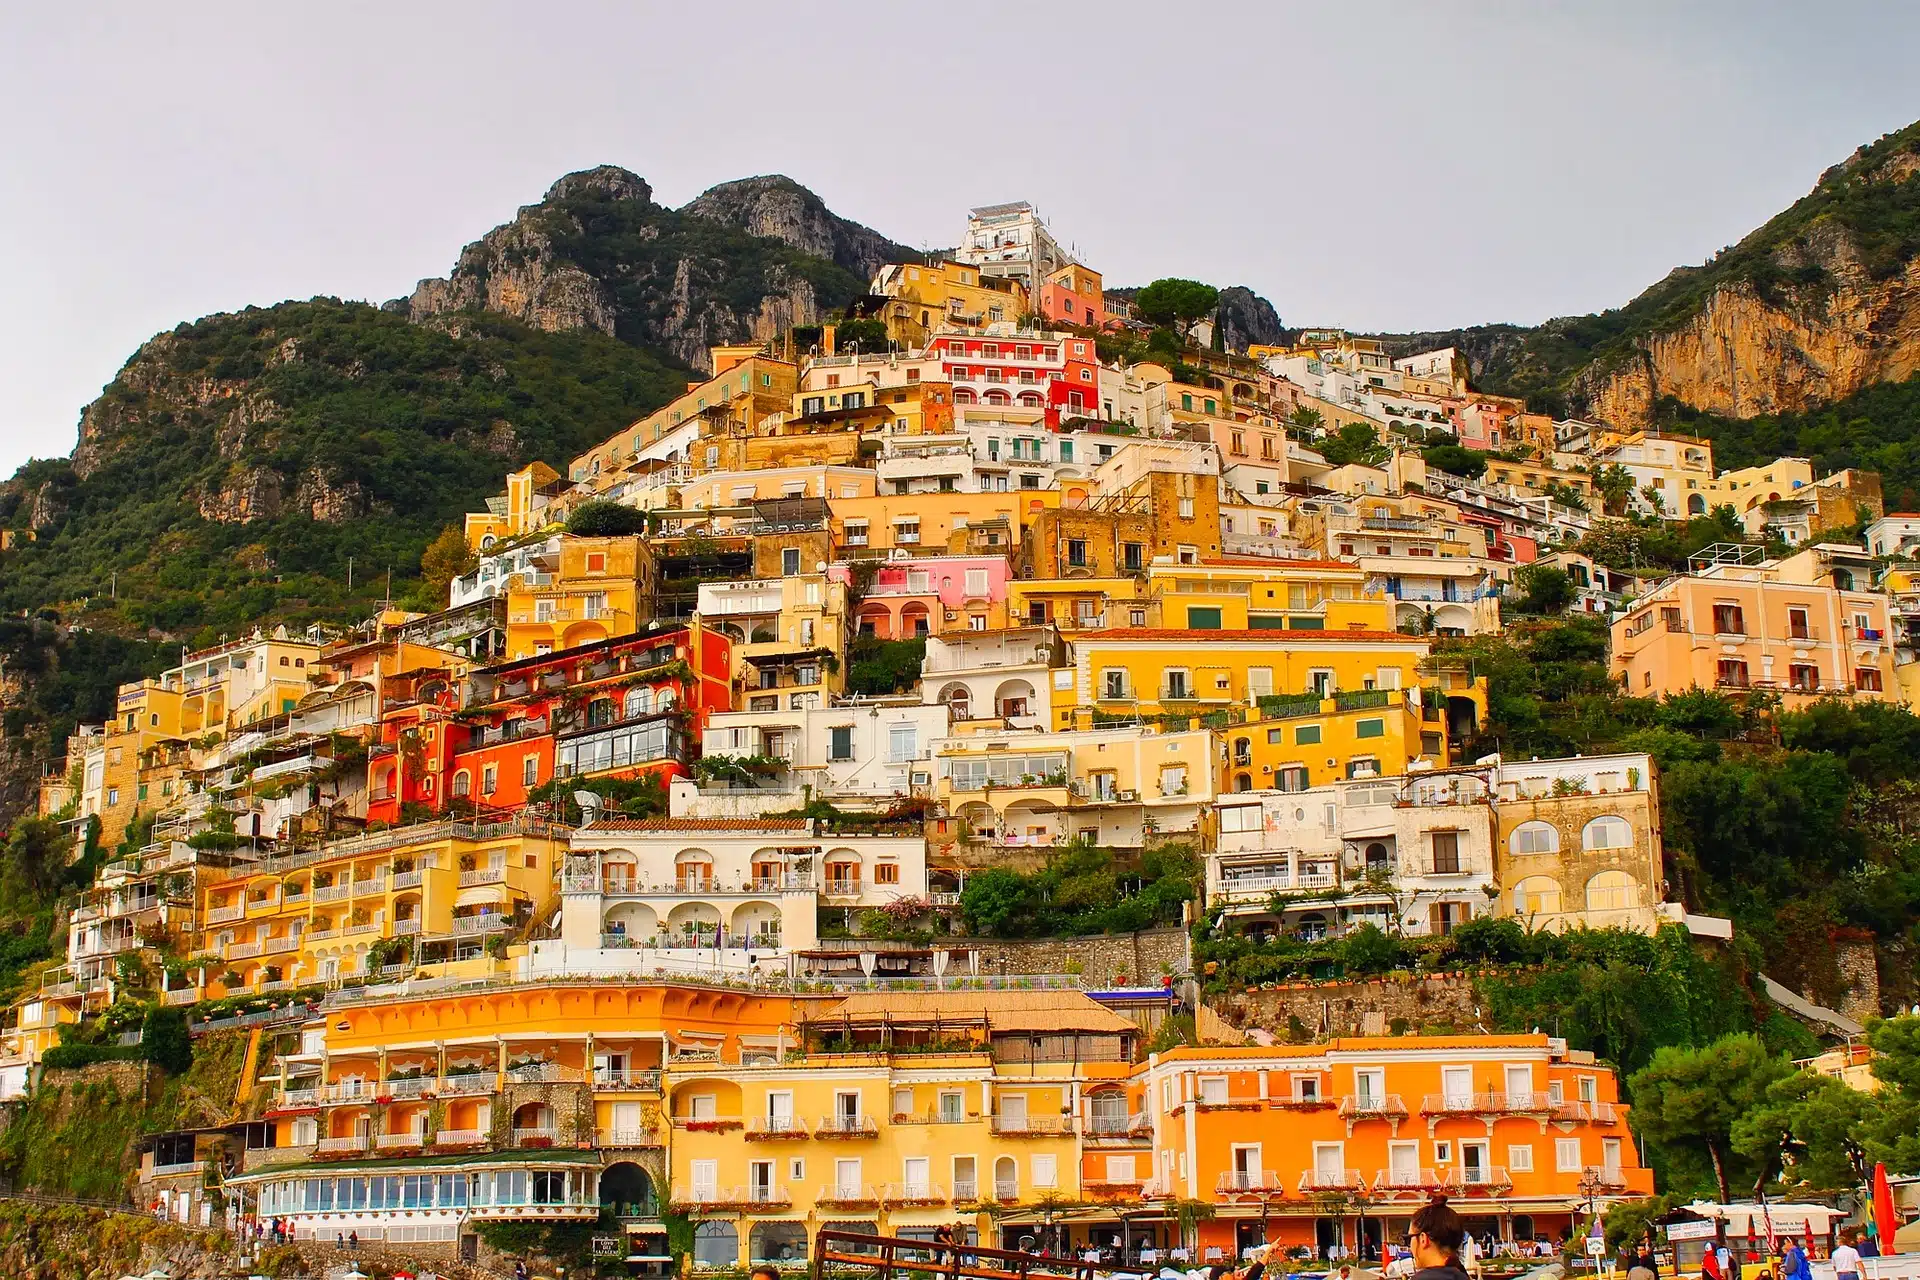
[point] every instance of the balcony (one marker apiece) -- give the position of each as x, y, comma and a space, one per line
701, 1198
1484, 1180
467, 1082
280, 946
408, 1086
912, 1193
846, 1127
399, 1141
1373, 1106
1607, 1177
300, 1097
643, 1078
1118, 1130
1005, 1191
1313, 1180
332, 893
1585, 1112
483, 875
181, 995
628, 1138
409, 879
1393, 1181
1031, 1126
243, 950
776, 1129
354, 1144
471, 926
226, 915
460, 1138
1248, 1182
847, 1196
539, 1136
1485, 1104
410, 925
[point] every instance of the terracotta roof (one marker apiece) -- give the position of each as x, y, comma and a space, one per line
1287, 637
1002, 1010
698, 824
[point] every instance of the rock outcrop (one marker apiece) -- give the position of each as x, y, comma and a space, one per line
777, 207
738, 264
1248, 318
1743, 355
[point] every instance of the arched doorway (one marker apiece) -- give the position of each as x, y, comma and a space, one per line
627, 1192
716, 1244
777, 1242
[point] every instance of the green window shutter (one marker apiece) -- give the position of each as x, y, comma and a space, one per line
1306, 735
1199, 619
1370, 729
1306, 624
1266, 622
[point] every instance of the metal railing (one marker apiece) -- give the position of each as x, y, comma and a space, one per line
352, 1143
1031, 1126
1408, 1180
846, 1127
1381, 1105
1332, 1180
459, 1137
1247, 1180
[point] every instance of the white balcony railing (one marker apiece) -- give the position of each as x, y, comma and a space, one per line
459, 1137
352, 1143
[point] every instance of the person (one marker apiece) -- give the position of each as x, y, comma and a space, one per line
1642, 1268
520, 1270
1724, 1257
1710, 1265
1793, 1262
1868, 1245
764, 1271
1434, 1238
353, 1241
340, 1241
1846, 1258
1470, 1254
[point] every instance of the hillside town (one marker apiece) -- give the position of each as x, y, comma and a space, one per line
636, 885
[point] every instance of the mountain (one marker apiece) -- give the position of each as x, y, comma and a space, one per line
234, 464
740, 263
1819, 303
778, 208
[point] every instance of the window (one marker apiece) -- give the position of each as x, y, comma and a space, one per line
840, 742
1566, 1155
886, 873
1803, 677
1046, 1171
1446, 853
1729, 672
1612, 891
1202, 619
902, 744
976, 582
1534, 837
789, 561
1728, 620
1520, 1157
1076, 552
1133, 555
1867, 679
1306, 735
1177, 687
1607, 832
529, 771
1243, 817
1173, 780
1536, 896
1113, 682
489, 779
1370, 729
1797, 628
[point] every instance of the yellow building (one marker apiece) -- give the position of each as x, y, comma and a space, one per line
598, 589
924, 297
1292, 743
1185, 670
867, 526
1083, 604
747, 386
878, 1126
788, 634
311, 917
1254, 593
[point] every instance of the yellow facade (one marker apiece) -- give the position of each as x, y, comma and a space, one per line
911, 522
312, 917
1309, 741
925, 297
1083, 604
602, 588
745, 388
1236, 595
1158, 671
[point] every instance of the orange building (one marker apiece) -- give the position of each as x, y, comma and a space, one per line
1340, 1143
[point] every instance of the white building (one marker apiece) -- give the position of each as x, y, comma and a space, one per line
1012, 675
1412, 855
684, 895
1011, 240
864, 750
991, 455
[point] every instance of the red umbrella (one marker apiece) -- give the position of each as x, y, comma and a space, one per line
1884, 1221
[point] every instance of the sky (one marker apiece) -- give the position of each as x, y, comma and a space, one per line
1381, 166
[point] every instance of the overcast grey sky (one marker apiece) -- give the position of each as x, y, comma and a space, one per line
1384, 166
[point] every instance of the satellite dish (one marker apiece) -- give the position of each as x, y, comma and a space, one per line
589, 802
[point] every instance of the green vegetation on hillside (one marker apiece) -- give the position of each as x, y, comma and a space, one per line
1783, 260
409, 424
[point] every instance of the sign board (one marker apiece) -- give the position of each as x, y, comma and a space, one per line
1692, 1230
1596, 1247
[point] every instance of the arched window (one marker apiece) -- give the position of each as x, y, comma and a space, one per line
1534, 837
1607, 832
1242, 782
1377, 859
1537, 896
1613, 891
639, 701
1006, 1178
462, 784
716, 1244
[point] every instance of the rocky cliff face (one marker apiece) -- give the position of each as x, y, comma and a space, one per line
1743, 355
778, 208
1248, 318
739, 264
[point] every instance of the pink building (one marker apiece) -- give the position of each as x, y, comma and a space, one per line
925, 595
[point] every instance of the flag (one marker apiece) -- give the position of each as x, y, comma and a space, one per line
1885, 1223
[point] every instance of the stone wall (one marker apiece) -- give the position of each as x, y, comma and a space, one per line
1142, 956
1356, 1008
1859, 965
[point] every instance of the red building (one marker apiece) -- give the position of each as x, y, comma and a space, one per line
623, 707
1057, 373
